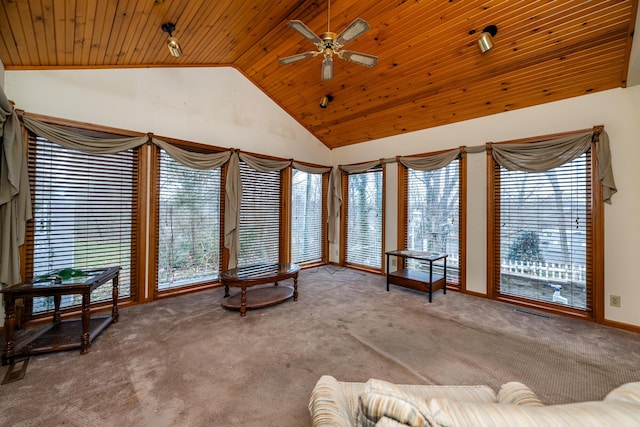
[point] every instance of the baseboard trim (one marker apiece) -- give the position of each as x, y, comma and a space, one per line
621, 325
475, 294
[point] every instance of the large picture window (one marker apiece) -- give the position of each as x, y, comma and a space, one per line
259, 217
83, 217
364, 219
433, 216
189, 225
307, 219
543, 229
544, 224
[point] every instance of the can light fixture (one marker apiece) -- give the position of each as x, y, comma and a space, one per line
325, 100
485, 42
172, 42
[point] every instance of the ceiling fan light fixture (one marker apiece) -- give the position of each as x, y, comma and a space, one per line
485, 42
327, 68
172, 42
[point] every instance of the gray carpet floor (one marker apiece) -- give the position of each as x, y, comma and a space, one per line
188, 361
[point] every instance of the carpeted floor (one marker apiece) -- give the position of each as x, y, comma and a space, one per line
187, 361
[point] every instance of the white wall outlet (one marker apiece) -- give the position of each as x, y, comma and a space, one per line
614, 300
393, 263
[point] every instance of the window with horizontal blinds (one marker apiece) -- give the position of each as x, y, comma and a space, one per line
433, 216
307, 225
259, 229
84, 213
364, 219
543, 223
188, 225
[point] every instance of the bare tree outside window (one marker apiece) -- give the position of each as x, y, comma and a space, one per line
189, 224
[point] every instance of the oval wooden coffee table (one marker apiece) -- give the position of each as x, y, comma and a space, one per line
246, 277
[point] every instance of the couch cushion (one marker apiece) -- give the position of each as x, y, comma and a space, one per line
445, 412
328, 405
389, 422
384, 399
629, 392
517, 393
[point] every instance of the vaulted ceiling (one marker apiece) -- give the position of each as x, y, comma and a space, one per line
430, 70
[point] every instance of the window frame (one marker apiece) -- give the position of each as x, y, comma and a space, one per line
403, 215
138, 219
151, 291
594, 254
344, 221
288, 199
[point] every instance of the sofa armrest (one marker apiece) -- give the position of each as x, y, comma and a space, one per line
328, 405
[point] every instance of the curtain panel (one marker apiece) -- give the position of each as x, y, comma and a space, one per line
15, 197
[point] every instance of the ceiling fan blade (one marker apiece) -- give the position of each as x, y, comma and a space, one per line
298, 57
305, 31
359, 58
353, 30
327, 68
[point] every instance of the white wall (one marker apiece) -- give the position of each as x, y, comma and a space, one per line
216, 106
220, 107
618, 110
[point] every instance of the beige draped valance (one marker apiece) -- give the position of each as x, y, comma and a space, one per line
544, 155
430, 163
74, 140
192, 159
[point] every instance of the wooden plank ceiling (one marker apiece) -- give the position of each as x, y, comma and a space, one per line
430, 70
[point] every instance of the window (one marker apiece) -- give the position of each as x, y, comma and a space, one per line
432, 216
307, 219
364, 219
543, 234
259, 226
84, 215
189, 225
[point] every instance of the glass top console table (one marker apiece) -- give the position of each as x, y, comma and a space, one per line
420, 280
60, 334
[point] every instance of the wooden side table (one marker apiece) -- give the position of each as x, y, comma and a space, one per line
417, 279
59, 335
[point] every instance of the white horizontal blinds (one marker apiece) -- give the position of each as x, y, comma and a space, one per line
307, 226
188, 226
433, 216
544, 228
364, 219
84, 214
259, 227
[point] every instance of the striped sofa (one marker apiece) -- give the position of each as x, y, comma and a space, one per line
378, 403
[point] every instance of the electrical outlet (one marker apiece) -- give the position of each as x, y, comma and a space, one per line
393, 263
614, 300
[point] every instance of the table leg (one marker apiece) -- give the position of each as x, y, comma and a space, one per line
56, 308
243, 302
295, 287
9, 325
114, 295
430, 279
387, 272
226, 291
85, 339
445, 276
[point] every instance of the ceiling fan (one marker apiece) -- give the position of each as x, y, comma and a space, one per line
330, 43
